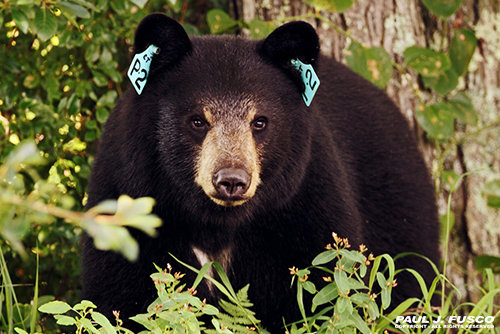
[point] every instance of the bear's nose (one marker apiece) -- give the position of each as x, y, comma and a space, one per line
231, 183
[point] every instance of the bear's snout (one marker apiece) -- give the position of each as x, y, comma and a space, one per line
231, 183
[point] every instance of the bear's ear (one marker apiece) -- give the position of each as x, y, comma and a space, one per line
294, 40
165, 33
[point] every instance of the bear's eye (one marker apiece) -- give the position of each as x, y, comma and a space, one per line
198, 123
260, 123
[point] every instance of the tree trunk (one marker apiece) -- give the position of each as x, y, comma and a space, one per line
396, 25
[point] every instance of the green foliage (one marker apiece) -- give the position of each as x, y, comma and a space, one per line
426, 61
442, 8
237, 308
219, 21
374, 64
24, 208
61, 74
349, 300
234, 319
436, 119
105, 222
81, 313
175, 310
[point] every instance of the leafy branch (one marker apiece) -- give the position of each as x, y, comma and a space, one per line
105, 223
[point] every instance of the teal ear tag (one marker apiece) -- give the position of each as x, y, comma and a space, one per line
139, 68
310, 79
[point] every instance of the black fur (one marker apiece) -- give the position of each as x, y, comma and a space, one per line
348, 164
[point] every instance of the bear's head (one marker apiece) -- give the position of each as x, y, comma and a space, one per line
233, 133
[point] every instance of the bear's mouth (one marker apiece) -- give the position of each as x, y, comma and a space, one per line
236, 201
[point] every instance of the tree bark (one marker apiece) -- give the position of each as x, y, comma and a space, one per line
396, 25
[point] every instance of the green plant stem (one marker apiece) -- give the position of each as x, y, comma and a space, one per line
445, 32
466, 137
34, 307
71, 216
447, 233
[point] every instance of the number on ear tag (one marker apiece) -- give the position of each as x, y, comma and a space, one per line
310, 79
139, 68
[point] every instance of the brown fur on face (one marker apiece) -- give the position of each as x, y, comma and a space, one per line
229, 143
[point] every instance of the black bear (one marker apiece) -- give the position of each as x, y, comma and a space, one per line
245, 174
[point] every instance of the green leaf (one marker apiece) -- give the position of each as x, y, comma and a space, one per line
176, 5
210, 310
190, 29
26, 153
443, 83
87, 324
437, 120
355, 284
104, 322
91, 124
492, 192
354, 256
443, 221
84, 304
108, 99
359, 323
360, 298
140, 3
20, 330
462, 47
341, 280
134, 213
201, 274
425, 61
45, 23
90, 136
324, 257
386, 300
372, 308
128, 207
442, 8
99, 79
65, 320
343, 305
449, 178
373, 64
382, 282
219, 21
73, 9
144, 320
336, 6
362, 270
487, 262
462, 109
217, 327
21, 20
55, 307
259, 29
101, 114
325, 295
310, 287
